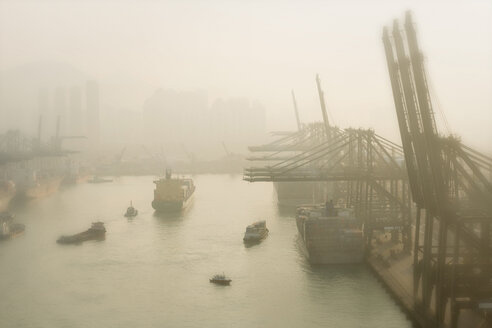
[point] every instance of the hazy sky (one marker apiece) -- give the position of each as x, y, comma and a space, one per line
263, 49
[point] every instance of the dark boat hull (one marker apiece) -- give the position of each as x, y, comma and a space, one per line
81, 237
162, 206
131, 215
171, 206
256, 239
221, 282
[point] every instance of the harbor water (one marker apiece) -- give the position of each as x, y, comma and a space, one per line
153, 270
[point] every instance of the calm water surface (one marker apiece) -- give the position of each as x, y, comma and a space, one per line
153, 271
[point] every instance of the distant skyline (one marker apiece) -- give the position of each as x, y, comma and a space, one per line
261, 50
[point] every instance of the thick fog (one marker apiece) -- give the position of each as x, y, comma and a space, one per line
195, 74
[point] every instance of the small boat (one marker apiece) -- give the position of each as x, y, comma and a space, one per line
255, 232
97, 179
221, 279
131, 211
96, 232
8, 229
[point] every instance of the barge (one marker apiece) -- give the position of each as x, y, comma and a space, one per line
96, 232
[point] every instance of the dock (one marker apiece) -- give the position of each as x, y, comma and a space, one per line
394, 269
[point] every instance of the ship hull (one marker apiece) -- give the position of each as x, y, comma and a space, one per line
254, 238
221, 282
44, 188
323, 241
81, 237
171, 206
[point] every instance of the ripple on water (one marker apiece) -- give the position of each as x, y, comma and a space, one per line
153, 270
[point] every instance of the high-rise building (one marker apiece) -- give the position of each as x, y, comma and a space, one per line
76, 117
44, 113
60, 108
93, 103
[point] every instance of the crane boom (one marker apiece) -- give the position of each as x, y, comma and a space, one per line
323, 106
296, 111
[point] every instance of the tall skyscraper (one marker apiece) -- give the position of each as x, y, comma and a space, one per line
92, 102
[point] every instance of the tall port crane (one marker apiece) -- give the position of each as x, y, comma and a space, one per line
450, 188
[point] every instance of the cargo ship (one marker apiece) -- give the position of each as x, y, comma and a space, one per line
330, 236
9, 229
75, 173
172, 194
43, 186
32, 183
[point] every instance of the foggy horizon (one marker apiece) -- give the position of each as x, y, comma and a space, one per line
260, 52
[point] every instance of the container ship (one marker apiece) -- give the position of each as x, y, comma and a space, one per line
43, 186
172, 194
33, 183
330, 236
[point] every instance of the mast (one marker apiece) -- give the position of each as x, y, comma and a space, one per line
296, 111
323, 106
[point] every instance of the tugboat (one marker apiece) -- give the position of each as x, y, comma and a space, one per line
255, 232
131, 211
221, 279
8, 229
96, 232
